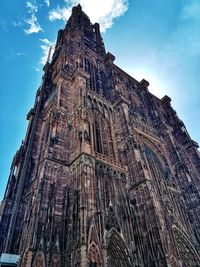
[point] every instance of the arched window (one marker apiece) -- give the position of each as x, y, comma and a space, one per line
47, 132
97, 138
105, 137
102, 138
187, 253
94, 255
118, 254
154, 164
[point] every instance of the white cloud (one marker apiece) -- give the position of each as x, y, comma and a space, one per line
103, 11
46, 41
17, 23
46, 44
12, 55
36, 69
34, 26
60, 13
31, 7
21, 54
47, 2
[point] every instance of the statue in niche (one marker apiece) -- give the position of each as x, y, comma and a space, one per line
111, 220
55, 261
39, 261
87, 136
53, 140
86, 130
88, 103
80, 135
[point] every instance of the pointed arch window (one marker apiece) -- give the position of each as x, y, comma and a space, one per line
97, 137
103, 142
118, 254
154, 163
187, 252
94, 257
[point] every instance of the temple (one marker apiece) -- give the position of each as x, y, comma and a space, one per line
107, 175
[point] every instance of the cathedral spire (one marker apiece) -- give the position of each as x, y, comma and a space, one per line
89, 186
79, 25
78, 18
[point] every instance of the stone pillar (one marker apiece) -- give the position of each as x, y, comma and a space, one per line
83, 256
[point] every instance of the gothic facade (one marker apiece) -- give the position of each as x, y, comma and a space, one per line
107, 175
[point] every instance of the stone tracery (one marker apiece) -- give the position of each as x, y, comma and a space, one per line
105, 165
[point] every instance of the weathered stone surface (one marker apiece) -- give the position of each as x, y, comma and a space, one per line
107, 175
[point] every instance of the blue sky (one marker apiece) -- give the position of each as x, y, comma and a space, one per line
158, 40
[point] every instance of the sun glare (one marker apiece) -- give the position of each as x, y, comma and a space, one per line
156, 86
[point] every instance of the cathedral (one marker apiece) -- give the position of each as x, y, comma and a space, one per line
107, 175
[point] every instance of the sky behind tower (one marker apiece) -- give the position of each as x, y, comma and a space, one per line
158, 40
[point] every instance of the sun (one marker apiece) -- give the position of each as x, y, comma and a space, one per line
157, 85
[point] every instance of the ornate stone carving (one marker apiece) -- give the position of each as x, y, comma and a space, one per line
106, 168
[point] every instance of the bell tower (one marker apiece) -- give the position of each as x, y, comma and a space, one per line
107, 175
